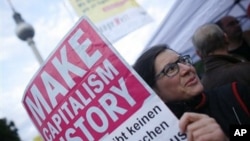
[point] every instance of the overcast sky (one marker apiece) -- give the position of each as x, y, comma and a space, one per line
51, 19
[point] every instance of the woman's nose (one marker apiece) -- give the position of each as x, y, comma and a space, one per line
184, 68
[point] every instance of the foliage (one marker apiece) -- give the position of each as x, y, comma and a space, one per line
8, 131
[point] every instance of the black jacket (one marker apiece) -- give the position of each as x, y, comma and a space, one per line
228, 105
242, 50
224, 69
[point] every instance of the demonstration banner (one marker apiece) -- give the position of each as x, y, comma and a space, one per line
114, 18
85, 91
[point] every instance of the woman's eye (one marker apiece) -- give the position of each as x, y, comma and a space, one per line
171, 69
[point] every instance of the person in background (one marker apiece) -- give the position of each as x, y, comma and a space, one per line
220, 67
239, 40
203, 115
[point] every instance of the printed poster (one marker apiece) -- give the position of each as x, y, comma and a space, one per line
113, 18
85, 91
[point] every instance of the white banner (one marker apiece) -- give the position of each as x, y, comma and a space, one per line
114, 18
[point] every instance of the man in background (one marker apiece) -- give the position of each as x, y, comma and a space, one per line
239, 41
220, 67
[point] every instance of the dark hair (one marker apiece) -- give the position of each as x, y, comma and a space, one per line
219, 23
145, 64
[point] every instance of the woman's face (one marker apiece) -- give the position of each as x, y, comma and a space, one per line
182, 86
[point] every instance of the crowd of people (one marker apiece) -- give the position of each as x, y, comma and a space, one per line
206, 105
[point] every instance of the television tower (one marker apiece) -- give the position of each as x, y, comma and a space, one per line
25, 32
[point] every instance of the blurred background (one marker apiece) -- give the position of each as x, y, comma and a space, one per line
173, 22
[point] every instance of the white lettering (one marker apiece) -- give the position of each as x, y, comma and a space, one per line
123, 92
64, 67
108, 73
65, 107
53, 87
240, 132
75, 105
52, 130
99, 113
79, 123
109, 103
97, 84
82, 98
37, 108
57, 121
81, 49
69, 137
65, 119
47, 135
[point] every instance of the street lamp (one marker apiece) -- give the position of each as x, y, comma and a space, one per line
25, 32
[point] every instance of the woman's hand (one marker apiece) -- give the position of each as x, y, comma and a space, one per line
200, 127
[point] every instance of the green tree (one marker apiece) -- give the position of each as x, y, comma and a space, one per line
8, 131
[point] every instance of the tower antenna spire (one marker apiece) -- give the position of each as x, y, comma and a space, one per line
11, 6
25, 32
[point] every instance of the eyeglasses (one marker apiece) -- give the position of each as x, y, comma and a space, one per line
172, 69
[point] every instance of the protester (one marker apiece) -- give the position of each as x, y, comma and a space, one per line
174, 79
239, 40
220, 67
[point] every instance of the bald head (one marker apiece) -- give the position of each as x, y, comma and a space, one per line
209, 38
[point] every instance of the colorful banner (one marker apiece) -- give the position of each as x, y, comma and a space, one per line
114, 18
86, 91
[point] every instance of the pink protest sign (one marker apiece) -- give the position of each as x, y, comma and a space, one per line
86, 91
